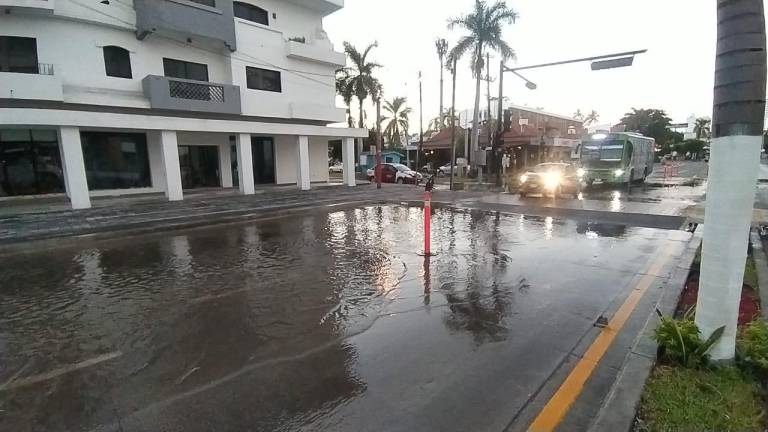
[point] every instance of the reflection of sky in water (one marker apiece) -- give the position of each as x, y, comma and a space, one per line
616, 201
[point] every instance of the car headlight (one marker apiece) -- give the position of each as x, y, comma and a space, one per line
523, 178
618, 172
552, 180
580, 172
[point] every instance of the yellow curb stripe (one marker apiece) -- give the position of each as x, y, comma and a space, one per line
557, 407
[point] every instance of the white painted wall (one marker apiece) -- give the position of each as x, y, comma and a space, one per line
303, 82
286, 162
78, 58
72, 40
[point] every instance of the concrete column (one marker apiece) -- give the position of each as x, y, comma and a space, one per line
302, 154
71, 150
169, 152
225, 165
348, 160
245, 164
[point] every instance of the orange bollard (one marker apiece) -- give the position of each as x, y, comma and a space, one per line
427, 217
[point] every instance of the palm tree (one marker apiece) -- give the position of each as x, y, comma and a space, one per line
442, 49
346, 91
701, 128
578, 115
591, 118
396, 120
484, 25
360, 74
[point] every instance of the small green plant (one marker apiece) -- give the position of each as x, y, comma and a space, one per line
682, 342
752, 345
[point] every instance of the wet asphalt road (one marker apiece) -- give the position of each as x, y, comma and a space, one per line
323, 321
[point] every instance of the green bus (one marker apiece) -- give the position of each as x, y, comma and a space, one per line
618, 157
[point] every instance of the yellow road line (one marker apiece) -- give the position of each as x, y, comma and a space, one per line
557, 407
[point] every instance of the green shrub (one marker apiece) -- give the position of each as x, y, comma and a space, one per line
752, 345
682, 342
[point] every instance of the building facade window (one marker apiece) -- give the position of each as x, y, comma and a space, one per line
263, 79
185, 70
30, 162
18, 54
211, 3
115, 160
117, 62
252, 13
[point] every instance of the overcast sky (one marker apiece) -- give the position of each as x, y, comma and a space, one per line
675, 75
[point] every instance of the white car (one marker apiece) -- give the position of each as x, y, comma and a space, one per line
336, 168
395, 173
446, 169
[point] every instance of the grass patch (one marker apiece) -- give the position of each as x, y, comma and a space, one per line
718, 399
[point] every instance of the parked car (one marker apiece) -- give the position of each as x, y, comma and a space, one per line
554, 179
336, 168
395, 173
445, 170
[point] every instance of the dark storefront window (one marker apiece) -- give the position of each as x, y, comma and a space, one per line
263, 79
18, 54
251, 13
185, 70
199, 166
30, 163
116, 160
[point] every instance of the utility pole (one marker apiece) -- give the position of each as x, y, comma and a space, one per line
737, 126
421, 127
379, 142
500, 121
488, 116
453, 123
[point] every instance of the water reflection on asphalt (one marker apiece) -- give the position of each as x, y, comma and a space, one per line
306, 322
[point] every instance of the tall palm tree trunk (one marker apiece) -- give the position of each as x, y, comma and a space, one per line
441, 95
476, 120
739, 106
361, 125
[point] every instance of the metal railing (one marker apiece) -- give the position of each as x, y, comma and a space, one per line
196, 91
45, 69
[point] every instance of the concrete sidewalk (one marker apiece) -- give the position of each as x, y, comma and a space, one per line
654, 208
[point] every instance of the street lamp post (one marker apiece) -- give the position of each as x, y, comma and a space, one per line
600, 62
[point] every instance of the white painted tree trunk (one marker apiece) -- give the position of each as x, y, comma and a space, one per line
733, 170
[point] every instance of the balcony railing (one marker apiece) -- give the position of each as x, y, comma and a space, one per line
35, 69
189, 95
195, 91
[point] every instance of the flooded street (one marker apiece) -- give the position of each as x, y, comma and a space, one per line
329, 320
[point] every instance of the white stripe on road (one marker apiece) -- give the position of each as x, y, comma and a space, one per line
34, 379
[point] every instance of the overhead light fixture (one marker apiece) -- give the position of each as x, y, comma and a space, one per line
613, 63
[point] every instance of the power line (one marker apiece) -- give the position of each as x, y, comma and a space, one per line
249, 59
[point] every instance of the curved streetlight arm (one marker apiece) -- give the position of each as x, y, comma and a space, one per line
579, 60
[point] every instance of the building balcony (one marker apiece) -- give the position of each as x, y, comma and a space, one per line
189, 95
324, 6
38, 83
206, 25
315, 53
34, 6
327, 113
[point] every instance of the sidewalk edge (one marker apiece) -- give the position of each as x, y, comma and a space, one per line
618, 409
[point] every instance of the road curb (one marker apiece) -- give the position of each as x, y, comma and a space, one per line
618, 409
761, 265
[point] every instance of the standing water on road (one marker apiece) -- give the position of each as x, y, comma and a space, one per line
322, 321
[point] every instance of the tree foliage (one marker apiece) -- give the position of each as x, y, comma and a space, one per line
484, 25
396, 120
358, 79
653, 123
702, 128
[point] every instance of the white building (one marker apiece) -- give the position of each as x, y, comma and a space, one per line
134, 96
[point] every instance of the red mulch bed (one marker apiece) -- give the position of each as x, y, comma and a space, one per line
749, 309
